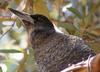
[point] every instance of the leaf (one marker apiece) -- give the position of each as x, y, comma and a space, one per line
9, 51
94, 6
54, 9
0, 69
75, 11
96, 31
77, 33
58, 3
22, 65
1, 26
84, 10
20, 7
69, 27
17, 1
40, 7
3, 4
5, 19
95, 46
30, 63
1, 31
84, 2
19, 23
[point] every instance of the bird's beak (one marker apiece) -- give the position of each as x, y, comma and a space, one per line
22, 15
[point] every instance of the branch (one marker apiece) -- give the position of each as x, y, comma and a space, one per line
8, 29
83, 64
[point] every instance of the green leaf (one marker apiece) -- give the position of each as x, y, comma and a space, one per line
19, 23
84, 10
40, 7
0, 69
1, 31
69, 27
75, 11
30, 63
9, 51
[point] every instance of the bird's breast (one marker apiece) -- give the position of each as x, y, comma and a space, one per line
51, 51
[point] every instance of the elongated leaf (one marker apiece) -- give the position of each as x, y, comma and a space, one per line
75, 11
0, 69
21, 67
9, 51
1, 31
69, 27
30, 63
40, 7
6, 19
19, 23
21, 6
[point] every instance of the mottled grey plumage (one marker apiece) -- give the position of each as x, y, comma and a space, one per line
53, 51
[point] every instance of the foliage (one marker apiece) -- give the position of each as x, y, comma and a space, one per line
81, 19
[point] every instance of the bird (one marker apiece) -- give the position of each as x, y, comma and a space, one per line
53, 51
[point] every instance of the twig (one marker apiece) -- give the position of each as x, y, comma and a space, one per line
89, 64
83, 64
8, 29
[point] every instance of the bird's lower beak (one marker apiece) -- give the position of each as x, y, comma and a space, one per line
21, 15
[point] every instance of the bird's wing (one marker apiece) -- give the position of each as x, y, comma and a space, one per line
82, 49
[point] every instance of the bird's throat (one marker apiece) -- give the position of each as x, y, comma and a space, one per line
37, 36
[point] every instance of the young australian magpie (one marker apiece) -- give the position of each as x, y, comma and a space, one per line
53, 51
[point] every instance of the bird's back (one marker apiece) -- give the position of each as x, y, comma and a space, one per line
54, 52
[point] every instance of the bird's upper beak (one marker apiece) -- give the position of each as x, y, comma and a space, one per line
22, 15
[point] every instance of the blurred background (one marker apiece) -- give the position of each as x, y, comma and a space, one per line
75, 17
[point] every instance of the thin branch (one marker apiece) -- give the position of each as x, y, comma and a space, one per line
8, 29
82, 64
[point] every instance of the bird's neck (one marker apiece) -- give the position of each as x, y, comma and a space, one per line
37, 37
42, 33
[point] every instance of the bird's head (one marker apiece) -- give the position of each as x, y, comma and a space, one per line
36, 22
